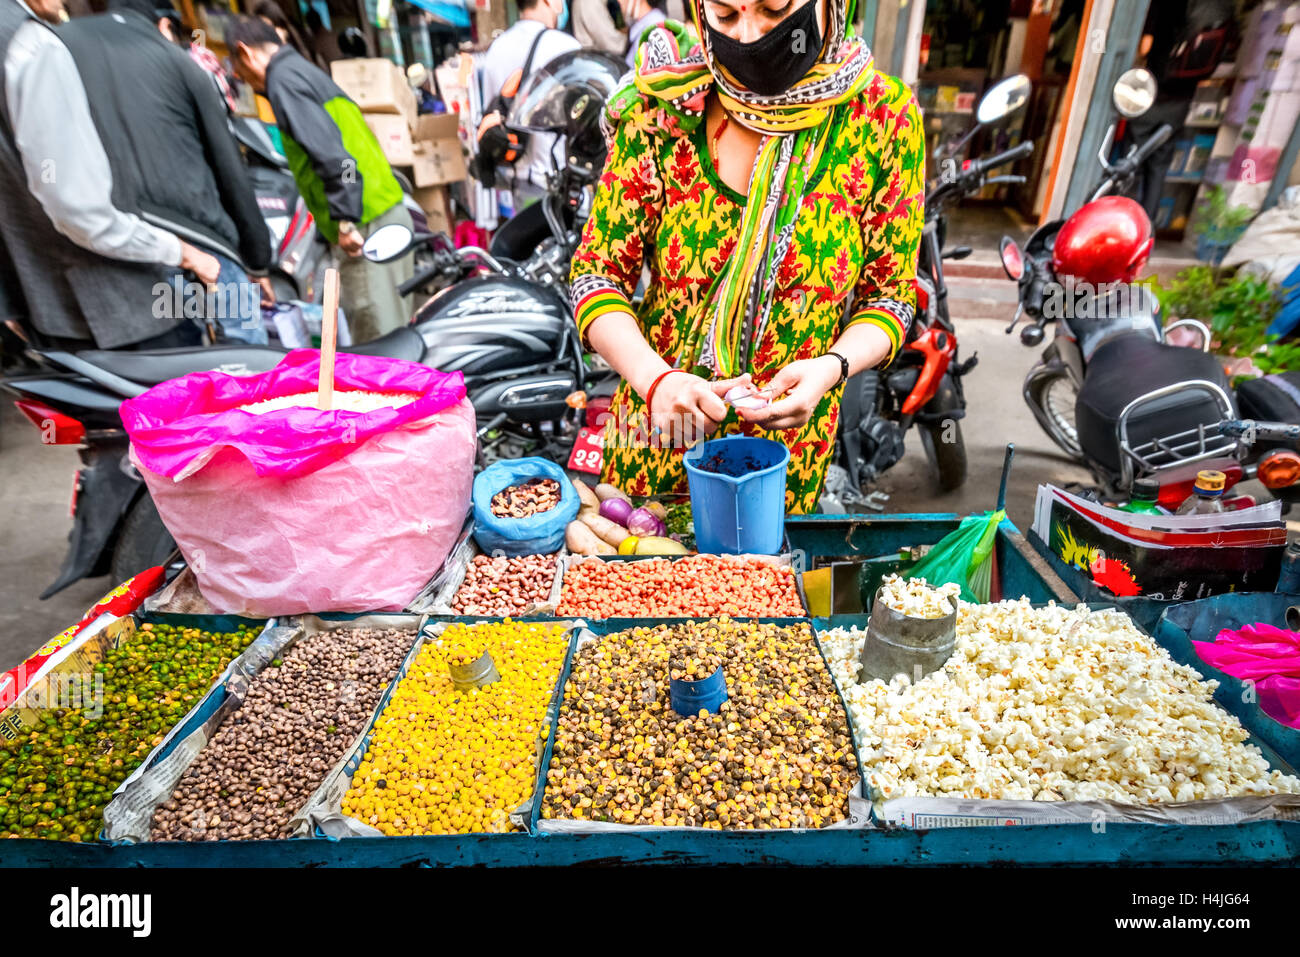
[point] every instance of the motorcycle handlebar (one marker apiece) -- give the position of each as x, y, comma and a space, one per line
1157, 140
1035, 293
1002, 159
448, 261
419, 279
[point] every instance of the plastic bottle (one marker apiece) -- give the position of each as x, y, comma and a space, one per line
1207, 497
1288, 580
1144, 498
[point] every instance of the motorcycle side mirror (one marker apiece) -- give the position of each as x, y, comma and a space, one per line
1013, 261
1004, 99
1134, 93
387, 242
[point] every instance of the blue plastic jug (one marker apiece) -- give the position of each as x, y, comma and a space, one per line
738, 495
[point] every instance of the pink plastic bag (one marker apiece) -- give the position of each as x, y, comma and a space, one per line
1266, 655
299, 510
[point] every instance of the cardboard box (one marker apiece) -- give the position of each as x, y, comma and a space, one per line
436, 162
435, 202
436, 157
375, 85
436, 126
394, 137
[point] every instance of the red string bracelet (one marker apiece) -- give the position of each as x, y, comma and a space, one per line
650, 392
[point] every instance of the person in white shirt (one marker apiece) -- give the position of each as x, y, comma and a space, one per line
41, 82
595, 29
641, 15
540, 22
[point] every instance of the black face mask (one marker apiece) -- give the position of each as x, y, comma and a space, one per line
770, 65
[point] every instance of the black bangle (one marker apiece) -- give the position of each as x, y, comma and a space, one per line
844, 369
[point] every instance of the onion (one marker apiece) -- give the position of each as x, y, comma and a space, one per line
616, 510
644, 522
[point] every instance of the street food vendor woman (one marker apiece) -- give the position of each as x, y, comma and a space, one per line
773, 181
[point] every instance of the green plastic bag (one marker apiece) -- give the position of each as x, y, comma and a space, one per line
963, 556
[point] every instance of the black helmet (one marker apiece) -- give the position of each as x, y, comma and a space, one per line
567, 96
352, 43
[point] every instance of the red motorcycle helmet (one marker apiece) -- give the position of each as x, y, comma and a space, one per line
1106, 241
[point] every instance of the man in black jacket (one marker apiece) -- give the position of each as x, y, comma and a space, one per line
174, 161
84, 271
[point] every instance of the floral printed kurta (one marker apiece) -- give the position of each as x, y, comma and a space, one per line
855, 239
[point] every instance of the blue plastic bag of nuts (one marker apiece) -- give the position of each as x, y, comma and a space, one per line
521, 507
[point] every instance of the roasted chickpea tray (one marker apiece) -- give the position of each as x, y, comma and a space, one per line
405, 776
247, 758
741, 774
1053, 715
701, 585
478, 585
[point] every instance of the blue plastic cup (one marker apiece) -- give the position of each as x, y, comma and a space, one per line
689, 698
738, 495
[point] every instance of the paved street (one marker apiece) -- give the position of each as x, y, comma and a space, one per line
34, 525
38, 483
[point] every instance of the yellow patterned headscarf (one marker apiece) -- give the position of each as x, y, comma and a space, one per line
678, 71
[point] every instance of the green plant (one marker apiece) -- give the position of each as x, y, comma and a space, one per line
1278, 357
1216, 220
1238, 308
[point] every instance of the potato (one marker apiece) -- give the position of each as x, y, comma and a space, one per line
610, 531
585, 495
604, 491
581, 540
654, 545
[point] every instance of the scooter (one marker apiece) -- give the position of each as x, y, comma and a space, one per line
514, 340
922, 387
1109, 390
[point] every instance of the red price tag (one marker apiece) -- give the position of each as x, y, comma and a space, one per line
588, 453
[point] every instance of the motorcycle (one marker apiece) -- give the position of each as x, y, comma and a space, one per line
515, 341
922, 387
1110, 390
506, 325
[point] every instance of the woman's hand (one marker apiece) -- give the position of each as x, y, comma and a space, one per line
687, 409
803, 383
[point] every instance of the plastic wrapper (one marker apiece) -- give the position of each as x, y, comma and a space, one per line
963, 557
301, 510
1267, 655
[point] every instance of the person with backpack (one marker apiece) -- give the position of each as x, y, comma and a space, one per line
533, 41
339, 167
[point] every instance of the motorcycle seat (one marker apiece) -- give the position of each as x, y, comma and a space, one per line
151, 367
403, 343
1129, 366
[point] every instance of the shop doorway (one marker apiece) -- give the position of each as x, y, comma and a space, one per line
967, 46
